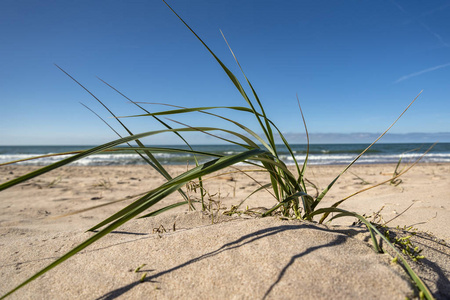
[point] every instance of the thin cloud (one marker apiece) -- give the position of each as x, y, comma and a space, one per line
432, 32
441, 40
421, 72
400, 7
443, 7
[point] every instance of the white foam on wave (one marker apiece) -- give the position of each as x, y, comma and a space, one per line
181, 158
367, 158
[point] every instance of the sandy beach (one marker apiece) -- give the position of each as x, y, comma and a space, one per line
209, 255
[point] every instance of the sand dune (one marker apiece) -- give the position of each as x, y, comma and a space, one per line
197, 255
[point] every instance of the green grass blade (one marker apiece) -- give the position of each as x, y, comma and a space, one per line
184, 110
325, 191
267, 129
268, 132
270, 160
372, 228
156, 165
110, 145
187, 176
419, 283
75, 250
262, 187
244, 109
250, 143
153, 161
72, 159
286, 200
203, 110
160, 193
156, 118
343, 213
40, 156
238, 108
118, 134
336, 204
302, 172
169, 150
231, 76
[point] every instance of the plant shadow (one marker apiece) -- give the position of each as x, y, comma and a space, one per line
339, 240
434, 269
240, 242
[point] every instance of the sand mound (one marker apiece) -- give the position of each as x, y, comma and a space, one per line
235, 259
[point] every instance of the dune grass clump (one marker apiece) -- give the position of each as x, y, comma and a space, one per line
290, 189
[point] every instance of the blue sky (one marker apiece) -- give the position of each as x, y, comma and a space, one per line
355, 66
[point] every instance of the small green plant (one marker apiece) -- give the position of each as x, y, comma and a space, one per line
289, 188
54, 182
139, 268
400, 237
404, 242
211, 203
143, 277
103, 184
395, 180
362, 180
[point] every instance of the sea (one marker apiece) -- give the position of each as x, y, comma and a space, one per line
319, 154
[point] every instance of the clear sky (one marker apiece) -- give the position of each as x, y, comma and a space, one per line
354, 64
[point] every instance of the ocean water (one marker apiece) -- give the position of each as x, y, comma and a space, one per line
319, 154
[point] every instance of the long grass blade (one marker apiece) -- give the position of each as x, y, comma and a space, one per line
305, 162
419, 283
187, 176
342, 213
121, 149
276, 178
204, 111
153, 161
72, 159
184, 110
40, 156
267, 129
372, 228
231, 76
108, 146
237, 108
262, 187
325, 191
145, 110
336, 204
150, 199
286, 200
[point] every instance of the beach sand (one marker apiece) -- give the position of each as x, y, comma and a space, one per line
195, 255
